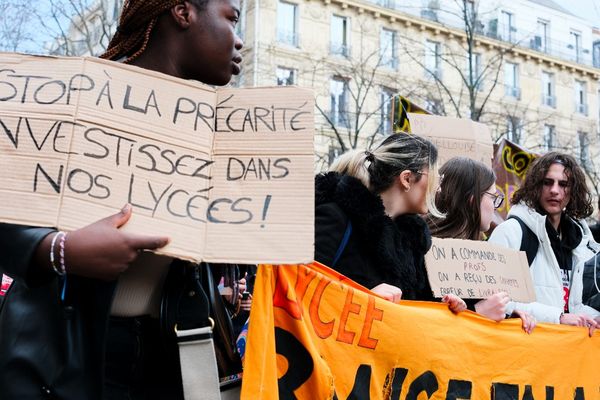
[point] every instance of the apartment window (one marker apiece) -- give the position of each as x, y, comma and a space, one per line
334, 152
507, 26
540, 40
584, 148
514, 129
511, 80
580, 97
430, 9
387, 48
575, 46
473, 61
433, 59
285, 76
434, 106
338, 93
548, 97
385, 3
549, 137
339, 36
287, 23
596, 53
386, 97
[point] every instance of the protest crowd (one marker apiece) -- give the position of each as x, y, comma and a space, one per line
94, 313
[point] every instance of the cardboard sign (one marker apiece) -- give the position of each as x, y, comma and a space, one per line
316, 335
473, 269
454, 137
227, 174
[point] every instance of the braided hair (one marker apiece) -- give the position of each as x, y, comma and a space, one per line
138, 19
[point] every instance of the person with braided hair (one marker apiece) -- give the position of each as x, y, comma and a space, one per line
206, 47
98, 337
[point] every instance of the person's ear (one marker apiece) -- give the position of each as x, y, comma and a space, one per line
404, 180
181, 14
470, 200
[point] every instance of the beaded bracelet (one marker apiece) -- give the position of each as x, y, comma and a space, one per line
61, 246
60, 272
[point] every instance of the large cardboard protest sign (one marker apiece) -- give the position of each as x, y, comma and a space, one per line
226, 173
475, 270
454, 137
317, 335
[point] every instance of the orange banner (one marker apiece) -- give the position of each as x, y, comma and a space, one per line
314, 334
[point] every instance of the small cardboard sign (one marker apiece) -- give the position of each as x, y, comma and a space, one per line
226, 173
475, 270
454, 137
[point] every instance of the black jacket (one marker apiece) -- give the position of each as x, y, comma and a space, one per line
49, 349
55, 349
595, 229
380, 250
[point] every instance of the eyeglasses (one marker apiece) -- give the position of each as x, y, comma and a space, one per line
498, 198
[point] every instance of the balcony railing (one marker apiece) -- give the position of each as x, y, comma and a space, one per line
512, 91
287, 37
581, 108
430, 14
524, 37
548, 100
389, 62
340, 118
435, 74
339, 49
385, 3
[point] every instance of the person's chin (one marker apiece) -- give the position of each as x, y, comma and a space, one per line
552, 209
220, 80
235, 69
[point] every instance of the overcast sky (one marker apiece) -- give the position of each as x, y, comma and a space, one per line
588, 9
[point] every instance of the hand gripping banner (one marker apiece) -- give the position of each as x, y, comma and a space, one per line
314, 334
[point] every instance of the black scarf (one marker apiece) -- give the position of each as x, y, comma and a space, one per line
398, 246
563, 247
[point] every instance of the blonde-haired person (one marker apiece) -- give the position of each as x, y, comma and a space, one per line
467, 197
367, 223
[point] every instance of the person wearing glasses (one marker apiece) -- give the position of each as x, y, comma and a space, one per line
467, 197
550, 209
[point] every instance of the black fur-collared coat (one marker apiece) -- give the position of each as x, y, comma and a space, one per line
379, 250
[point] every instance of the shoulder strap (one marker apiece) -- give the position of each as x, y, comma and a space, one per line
343, 244
529, 240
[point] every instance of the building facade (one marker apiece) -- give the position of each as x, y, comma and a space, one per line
528, 68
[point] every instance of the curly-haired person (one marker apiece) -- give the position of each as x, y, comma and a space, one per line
548, 214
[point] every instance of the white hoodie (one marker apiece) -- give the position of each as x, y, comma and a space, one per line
545, 271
